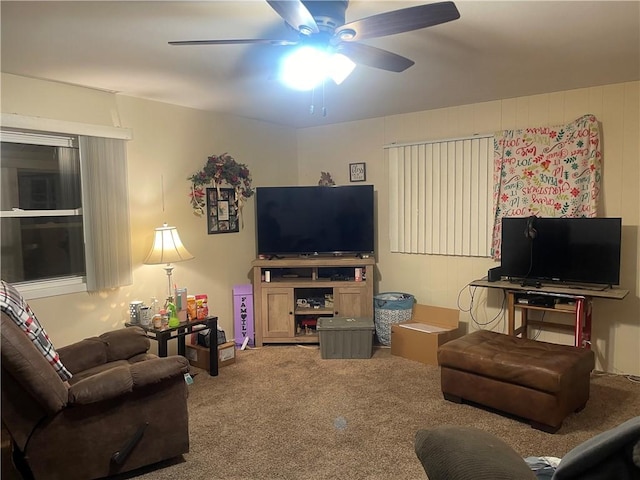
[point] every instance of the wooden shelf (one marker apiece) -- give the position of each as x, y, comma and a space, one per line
314, 311
571, 309
276, 309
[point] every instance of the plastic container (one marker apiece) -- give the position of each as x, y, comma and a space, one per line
202, 307
344, 337
164, 316
390, 308
174, 321
146, 316
191, 307
134, 311
155, 308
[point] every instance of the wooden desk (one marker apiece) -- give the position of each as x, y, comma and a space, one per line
180, 332
582, 296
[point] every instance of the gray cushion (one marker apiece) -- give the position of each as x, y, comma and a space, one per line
466, 453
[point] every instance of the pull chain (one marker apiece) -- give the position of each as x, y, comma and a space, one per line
162, 191
312, 106
324, 109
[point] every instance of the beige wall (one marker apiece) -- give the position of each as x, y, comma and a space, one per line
441, 280
169, 143
172, 142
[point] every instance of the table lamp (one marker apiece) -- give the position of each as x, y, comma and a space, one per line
167, 248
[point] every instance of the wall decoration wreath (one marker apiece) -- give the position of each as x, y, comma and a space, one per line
219, 170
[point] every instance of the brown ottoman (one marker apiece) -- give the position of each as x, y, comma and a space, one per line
542, 382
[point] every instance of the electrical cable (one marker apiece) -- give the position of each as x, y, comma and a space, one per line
469, 310
628, 376
539, 330
530, 233
526, 276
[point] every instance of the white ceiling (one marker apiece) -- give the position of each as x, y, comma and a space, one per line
495, 50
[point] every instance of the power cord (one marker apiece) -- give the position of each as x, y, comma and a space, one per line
630, 377
539, 330
472, 291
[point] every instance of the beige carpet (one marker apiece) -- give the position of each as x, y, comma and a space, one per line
281, 412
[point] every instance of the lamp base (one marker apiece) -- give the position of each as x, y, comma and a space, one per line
169, 269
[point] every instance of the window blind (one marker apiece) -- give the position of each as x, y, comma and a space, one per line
105, 198
440, 196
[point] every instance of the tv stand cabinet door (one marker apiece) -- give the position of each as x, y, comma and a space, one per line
277, 312
351, 302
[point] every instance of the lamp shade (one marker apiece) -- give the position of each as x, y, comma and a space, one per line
167, 247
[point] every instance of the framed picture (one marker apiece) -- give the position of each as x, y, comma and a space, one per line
357, 172
222, 211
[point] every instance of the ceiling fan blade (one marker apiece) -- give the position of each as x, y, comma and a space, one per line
295, 14
397, 21
374, 57
239, 41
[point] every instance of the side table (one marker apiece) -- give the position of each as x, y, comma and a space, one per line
162, 336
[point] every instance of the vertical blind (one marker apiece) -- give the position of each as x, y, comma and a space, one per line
440, 196
105, 197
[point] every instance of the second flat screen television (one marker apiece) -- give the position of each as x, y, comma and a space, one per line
570, 250
315, 220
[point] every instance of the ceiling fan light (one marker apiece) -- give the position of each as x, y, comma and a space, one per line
340, 67
304, 69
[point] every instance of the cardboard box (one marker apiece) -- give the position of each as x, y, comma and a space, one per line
429, 327
198, 355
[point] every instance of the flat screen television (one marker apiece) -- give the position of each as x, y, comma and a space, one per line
315, 220
566, 250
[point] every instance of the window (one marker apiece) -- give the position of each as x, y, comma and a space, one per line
65, 206
41, 203
440, 197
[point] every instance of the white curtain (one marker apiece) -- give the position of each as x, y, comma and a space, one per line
105, 200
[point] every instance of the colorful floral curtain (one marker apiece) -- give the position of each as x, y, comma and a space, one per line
547, 172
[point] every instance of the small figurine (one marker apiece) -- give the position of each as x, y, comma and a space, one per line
326, 180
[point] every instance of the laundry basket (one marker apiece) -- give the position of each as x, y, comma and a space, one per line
389, 308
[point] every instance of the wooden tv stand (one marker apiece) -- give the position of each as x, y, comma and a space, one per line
300, 290
580, 306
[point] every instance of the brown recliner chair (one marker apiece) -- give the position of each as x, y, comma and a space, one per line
124, 409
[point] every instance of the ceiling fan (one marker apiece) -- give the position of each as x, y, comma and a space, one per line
321, 23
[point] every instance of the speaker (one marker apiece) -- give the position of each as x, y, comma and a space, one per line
494, 274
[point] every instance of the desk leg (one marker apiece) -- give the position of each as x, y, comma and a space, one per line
212, 324
578, 340
162, 343
587, 324
511, 313
524, 315
583, 323
182, 350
